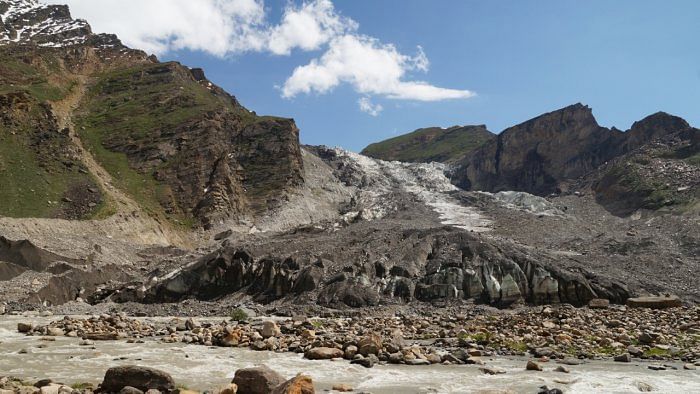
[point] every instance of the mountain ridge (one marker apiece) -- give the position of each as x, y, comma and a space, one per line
134, 117
445, 144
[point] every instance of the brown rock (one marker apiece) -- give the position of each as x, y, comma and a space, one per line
623, 358
370, 344
562, 369
257, 380
533, 366
270, 329
300, 384
598, 303
323, 353
343, 388
230, 389
142, 378
670, 301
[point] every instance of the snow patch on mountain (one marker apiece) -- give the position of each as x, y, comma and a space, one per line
25, 21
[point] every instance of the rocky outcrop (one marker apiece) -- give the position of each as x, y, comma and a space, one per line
663, 174
209, 158
536, 156
427, 265
545, 154
28, 21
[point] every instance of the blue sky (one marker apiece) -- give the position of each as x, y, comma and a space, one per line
626, 59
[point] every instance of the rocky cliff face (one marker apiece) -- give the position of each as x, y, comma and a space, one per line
396, 266
205, 155
545, 154
179, 146
537, 155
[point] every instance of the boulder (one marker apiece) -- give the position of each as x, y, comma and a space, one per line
257, 380
142, 378
230, 389
598, 303
24, 327
532, 366
54, 388
270, 329
492, 370
661, 302
43, 382
54, 332
370, 344
350, 352
300, 384
342, 388
635, 351
323, 353
623, 358
367, 362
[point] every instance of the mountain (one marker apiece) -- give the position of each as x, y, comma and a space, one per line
123, 178
89, 127
546, 154
431, 144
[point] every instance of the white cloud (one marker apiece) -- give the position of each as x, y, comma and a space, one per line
367, 106
371, 67
218, 27
229, 27
308, 27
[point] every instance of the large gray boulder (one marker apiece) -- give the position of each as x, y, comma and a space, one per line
142, 378
257, 380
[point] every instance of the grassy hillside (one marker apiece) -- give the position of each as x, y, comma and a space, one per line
130, 110
39, 172
430, 144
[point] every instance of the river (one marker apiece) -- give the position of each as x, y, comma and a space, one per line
200, 368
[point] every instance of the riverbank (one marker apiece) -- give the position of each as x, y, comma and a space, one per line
440, 336
439, 351
204, 368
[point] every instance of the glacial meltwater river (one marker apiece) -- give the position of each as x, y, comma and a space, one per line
201, 367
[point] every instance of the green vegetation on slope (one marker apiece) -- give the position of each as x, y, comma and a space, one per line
431, 144
37, 169
22, 72
134, 107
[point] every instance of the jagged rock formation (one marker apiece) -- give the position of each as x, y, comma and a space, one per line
545, 154
178, 145
28, 21
431, 144
397, 266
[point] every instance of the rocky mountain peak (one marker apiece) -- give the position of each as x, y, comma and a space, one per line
28, 21
574, 117
660, 121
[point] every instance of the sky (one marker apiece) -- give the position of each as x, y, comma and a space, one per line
353, 72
